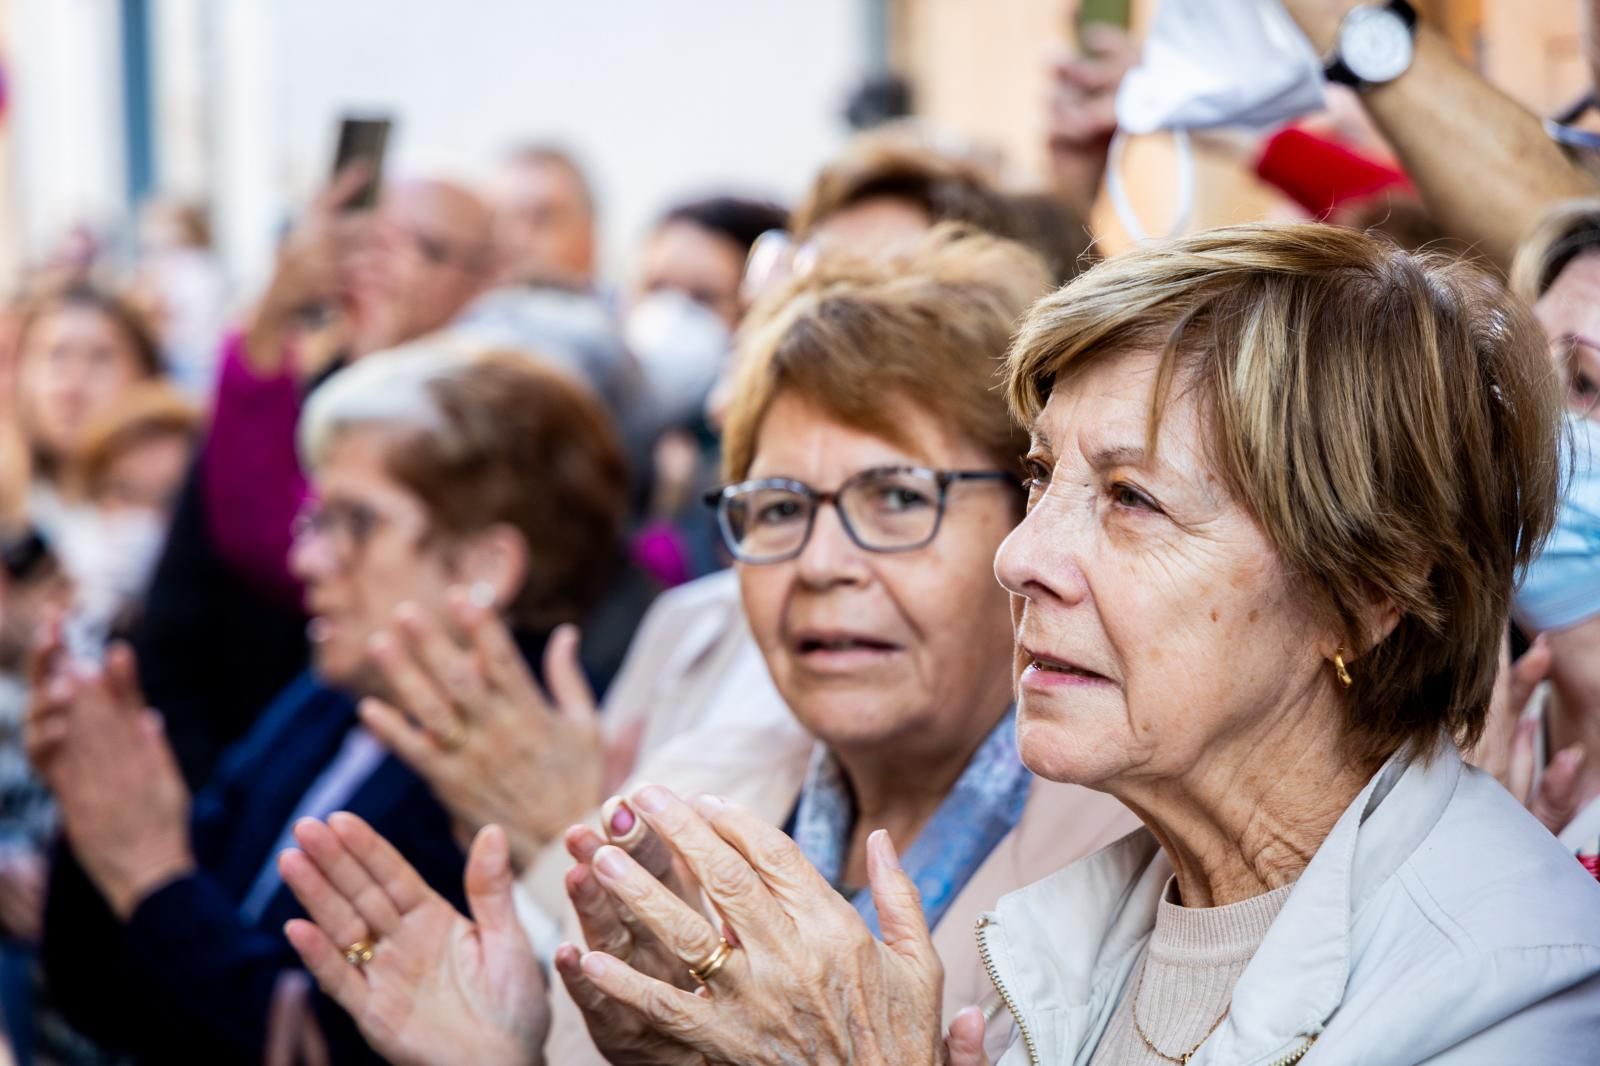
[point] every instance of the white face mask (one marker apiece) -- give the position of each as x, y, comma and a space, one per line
110, 558
680, 347
1207, 64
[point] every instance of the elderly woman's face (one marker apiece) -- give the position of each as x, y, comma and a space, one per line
1153, 618
872, 650
363, 548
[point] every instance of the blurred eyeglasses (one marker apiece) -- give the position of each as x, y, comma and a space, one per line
347, 527
885, 509
1579, 363
1563, 128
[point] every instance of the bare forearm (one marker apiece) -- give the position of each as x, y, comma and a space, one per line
1481, 162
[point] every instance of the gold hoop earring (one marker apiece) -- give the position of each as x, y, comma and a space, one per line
1339, 670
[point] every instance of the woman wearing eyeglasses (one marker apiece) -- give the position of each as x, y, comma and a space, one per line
434, 476
873, 472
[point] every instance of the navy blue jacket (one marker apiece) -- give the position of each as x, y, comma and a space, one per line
188, 978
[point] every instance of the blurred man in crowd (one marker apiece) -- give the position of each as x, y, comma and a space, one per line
544, 219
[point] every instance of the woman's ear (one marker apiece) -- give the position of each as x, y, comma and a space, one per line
1379, 616
494, 565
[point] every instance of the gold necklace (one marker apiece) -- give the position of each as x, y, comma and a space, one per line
1133, 1012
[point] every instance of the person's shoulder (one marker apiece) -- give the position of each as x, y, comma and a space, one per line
720, 589
1491, 878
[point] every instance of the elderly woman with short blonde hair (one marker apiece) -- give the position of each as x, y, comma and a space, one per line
1281, 483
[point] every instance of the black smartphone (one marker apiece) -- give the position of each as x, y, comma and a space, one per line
363, 137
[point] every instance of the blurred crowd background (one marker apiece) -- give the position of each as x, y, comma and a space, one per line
606, 183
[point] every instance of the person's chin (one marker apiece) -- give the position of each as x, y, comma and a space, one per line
1063, 744
337, 666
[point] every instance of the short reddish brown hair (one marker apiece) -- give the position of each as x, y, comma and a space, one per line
897, 163
930, 328
491, 438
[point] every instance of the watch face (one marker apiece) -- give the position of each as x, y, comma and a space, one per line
1376, 44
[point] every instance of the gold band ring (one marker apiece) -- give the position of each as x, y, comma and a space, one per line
709, 969
452, 739
359, 953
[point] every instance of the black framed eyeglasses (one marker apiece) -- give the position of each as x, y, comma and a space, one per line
885, 509
347, 526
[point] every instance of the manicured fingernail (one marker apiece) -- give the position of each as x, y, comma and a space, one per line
595, 964
481, 595
608, 860
622, 820
1571, 757
650, 799
709, 805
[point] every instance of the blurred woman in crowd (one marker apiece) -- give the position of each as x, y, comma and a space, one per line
1559, 603
1264, 625
431, 472
127, 474
79, 350
871, 468
685, 306
1557, 269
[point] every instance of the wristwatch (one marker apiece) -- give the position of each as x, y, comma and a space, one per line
1375, 45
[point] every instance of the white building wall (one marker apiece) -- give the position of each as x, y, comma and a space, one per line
658, 98
66, 118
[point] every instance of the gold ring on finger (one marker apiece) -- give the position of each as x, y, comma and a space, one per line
709, 969
452, 739
359, 953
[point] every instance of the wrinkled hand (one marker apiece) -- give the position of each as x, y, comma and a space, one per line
478, 728
1084, 84
1081, 110
124, 806
439, 988
807, 982
623, 1035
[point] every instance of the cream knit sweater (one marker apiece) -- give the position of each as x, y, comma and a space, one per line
1190, 965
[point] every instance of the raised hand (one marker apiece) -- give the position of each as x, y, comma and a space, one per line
469, 718
805, 980
124, 806
424, 984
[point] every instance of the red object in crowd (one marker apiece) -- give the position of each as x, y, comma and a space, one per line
1592, 864
1320, 174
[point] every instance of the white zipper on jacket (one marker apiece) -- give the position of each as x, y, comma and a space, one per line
984, 924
